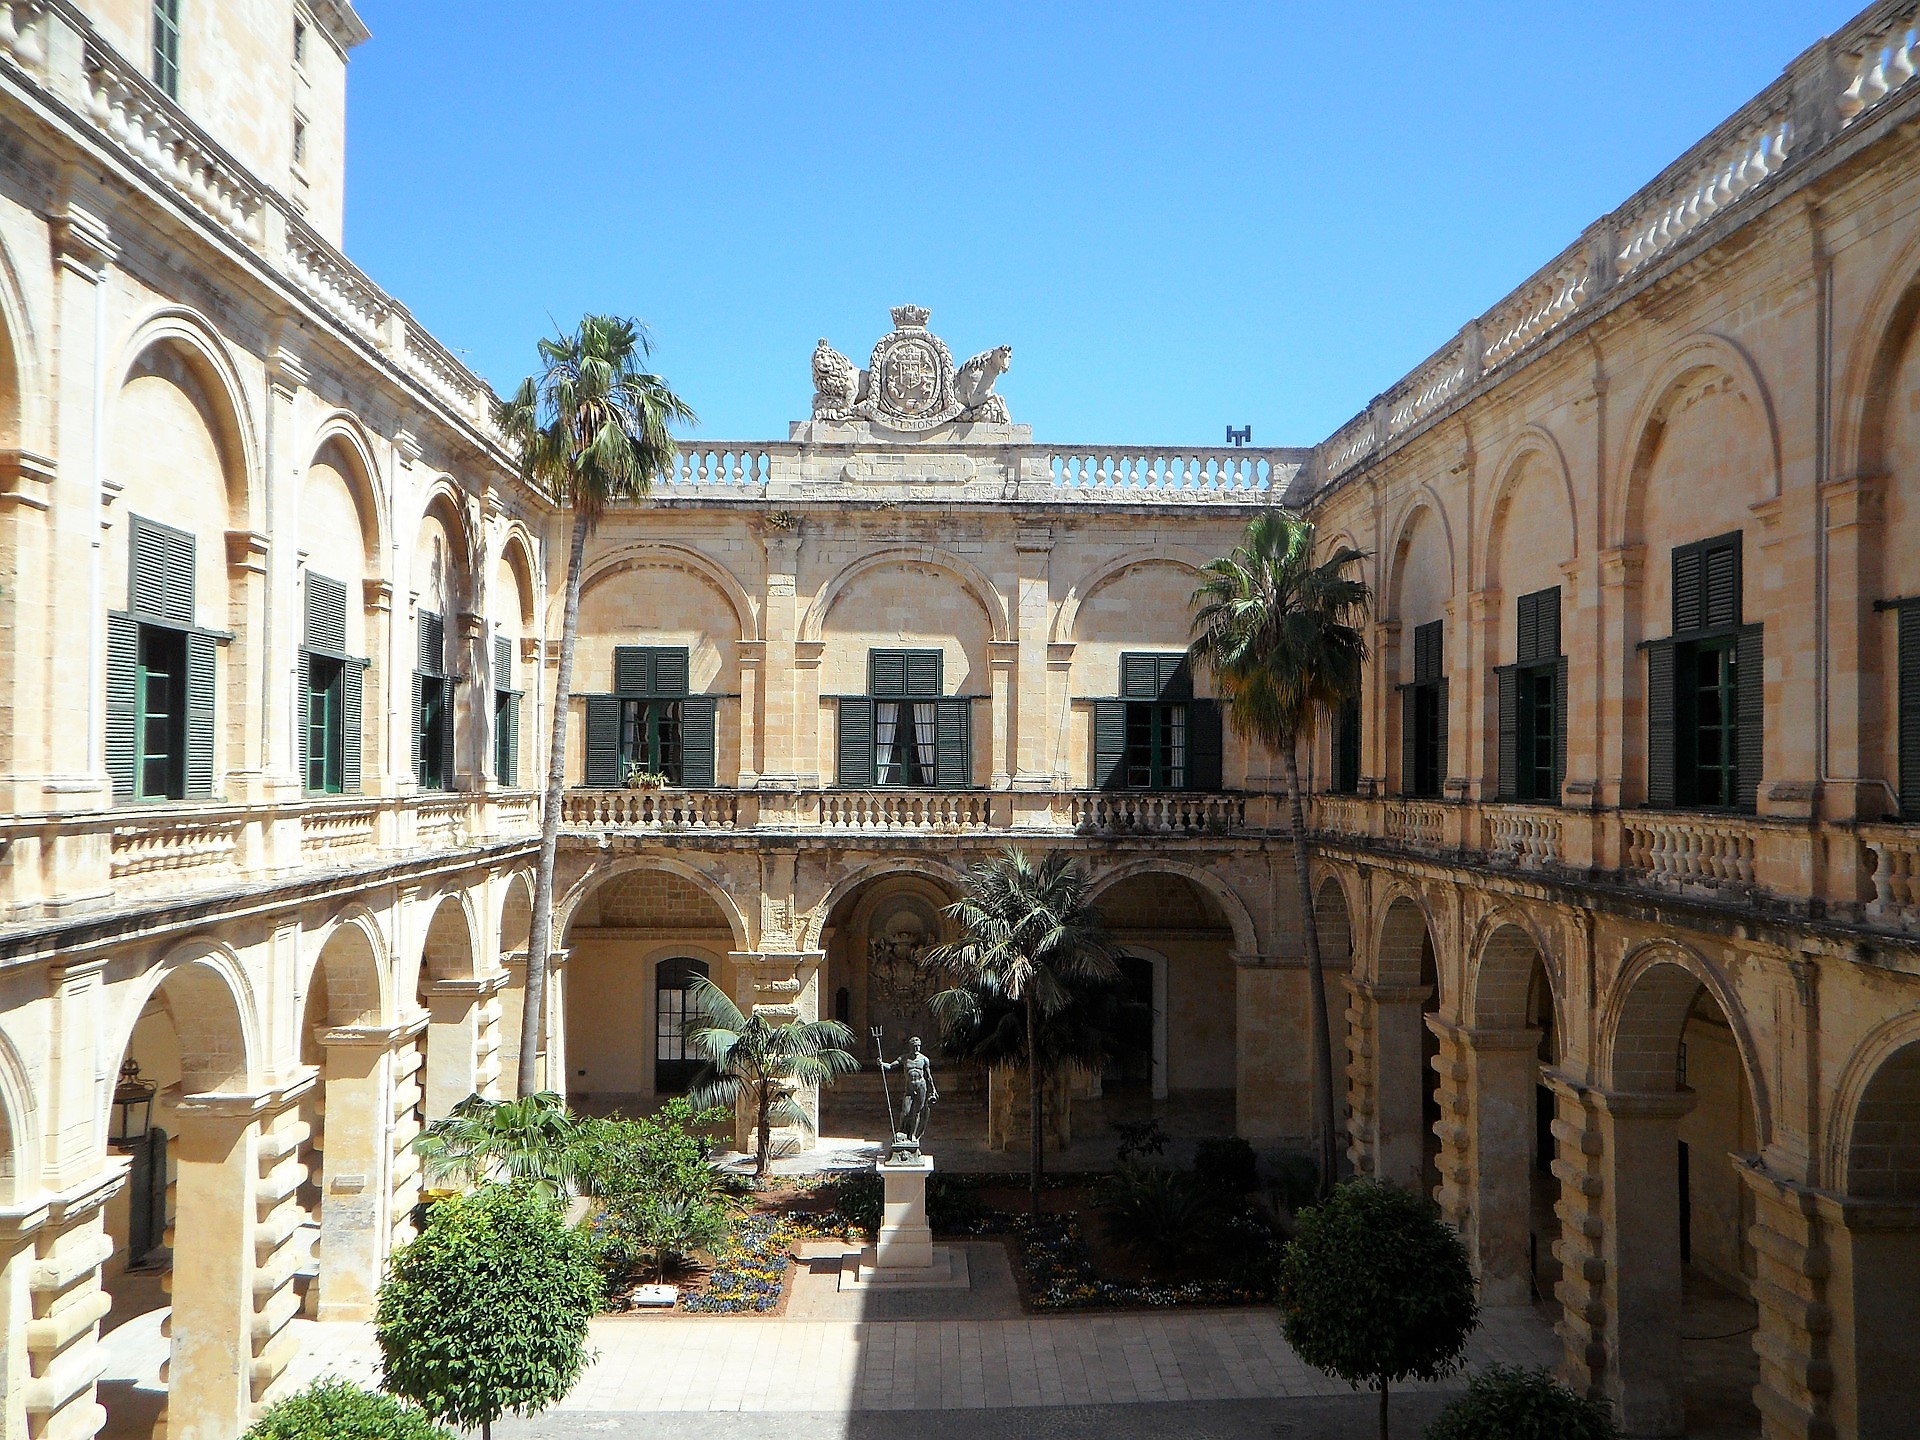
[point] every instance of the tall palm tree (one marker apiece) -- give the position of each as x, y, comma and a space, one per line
533, 1139
1028, 934
1282, 637
749, 1055
590, 429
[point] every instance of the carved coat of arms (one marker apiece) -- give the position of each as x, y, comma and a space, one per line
910, 382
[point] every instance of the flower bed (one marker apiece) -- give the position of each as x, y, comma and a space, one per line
1061, 1275
749, 1269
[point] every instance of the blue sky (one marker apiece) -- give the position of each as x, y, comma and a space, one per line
1180, 216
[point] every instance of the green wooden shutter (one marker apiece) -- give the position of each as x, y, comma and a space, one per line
672, 667
632, 670
1175, 677
433, 644
1750, 708
443, 734
1661, 759
419, 750
306, 718
160, 580
123, 700
1440, 767
326, 615
1110, 744
1205, 746
1559, 730
1547, 623
887, 672
603, 741
923, 673
510, 775
1909, 663
502, 663
351, 684
1426, 652
1721, 580
856, 743
1526, 640
1409, 736
1507, 684
1346, 747
953, 747
1689, 600
1139, 676
200, 684
696, 741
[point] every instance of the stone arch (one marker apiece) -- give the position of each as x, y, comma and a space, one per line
445, 504
1534, 441
681, 557
19, 1139
1884, 1044
948, 877
1406, 924
972, 579
516, 554
1066, 618
1423, 503
1883, 1142
215, 1017
516, 914
1507, 950
716, 888
1333, 910
351, 962
23, 389
1698, 353
449, 946
342, 430
1865, 396
1642, 1021
1246, 936
206, 356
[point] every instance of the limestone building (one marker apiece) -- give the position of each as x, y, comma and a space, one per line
1614, 859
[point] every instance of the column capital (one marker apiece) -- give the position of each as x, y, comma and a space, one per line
1485, 1038
22, 1219
1261, 960
243, 1106
1003, 654
1641, 1104
470, 987
374, 1036
1388, 994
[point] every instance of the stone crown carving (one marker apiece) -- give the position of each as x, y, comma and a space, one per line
910, 382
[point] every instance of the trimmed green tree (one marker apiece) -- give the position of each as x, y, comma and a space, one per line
1506, 1402
591, 429
659, 1196
767, 1063
531, 1140
486, 1313
1282, 636
1376, 1288
340, 1410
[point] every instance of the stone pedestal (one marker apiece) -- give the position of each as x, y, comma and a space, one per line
903, 1255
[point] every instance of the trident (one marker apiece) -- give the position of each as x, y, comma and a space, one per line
885, 1089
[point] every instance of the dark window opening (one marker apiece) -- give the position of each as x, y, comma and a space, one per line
435, 723
166, 46
1346, 748
1539, 727
161, 729
906, 743
650, 738
1707, 723
1428, 758
326, 725
674, 1063
1156, 747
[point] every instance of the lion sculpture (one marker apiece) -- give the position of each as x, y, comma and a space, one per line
973, 385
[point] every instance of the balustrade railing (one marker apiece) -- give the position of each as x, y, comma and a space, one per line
1417, 822
23, 34
1880, 63
1528, 838
1895, 852
1682, 850
1136, 469
652, 809
1342, 814
165, 844
918, 810
334, 835
1150, 813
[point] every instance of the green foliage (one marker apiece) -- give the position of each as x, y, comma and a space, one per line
764, 1061
660, 1198
1163, 1216
1376, 1288
1034, 974
338, 1410
1507, 1402
486, 1313
954, 1206
1226, 1164
1296, 1180
480, 1141
1140, 1138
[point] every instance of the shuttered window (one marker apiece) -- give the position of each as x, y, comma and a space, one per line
1345, 779
331, 685
161, 674
651, 725
1423, 717
1908, 643
506, 715
903, 732
1531, 695
1155, 735
432, 706
1706, 687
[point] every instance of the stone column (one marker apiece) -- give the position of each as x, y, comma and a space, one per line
750, 654
553, 1067
456, 1010
1581, 1291
403, 1127
57, 1246
1796, 1337
512, 1013
355, 1195
1486, 1151
779, 986
1273, 1047
781, 757
1032, 760
1391, 1020
1001, 660
1640, 1248
1612, 719
1871, 1251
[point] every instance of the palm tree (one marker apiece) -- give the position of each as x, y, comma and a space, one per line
1029, 934
1282, 638
752, 1056
590, 429
532, 1140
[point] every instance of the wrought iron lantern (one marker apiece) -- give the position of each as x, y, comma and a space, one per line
132, 1106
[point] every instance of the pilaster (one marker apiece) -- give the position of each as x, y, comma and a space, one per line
356, 1226
1033, 613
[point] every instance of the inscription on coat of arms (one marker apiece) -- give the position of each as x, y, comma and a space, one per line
910, 382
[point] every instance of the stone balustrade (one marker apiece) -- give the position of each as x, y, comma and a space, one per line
59, 864
23, 37
1879, 63
1525, 836
1895, 853
922, 811
1420, 823
1243, 473
651, 809
1680, 850
1147, 813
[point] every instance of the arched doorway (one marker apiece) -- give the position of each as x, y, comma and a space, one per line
632, 943
1406, 1102
1678, 1115
448, 990
516, 938
1335, 923
674, 1065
